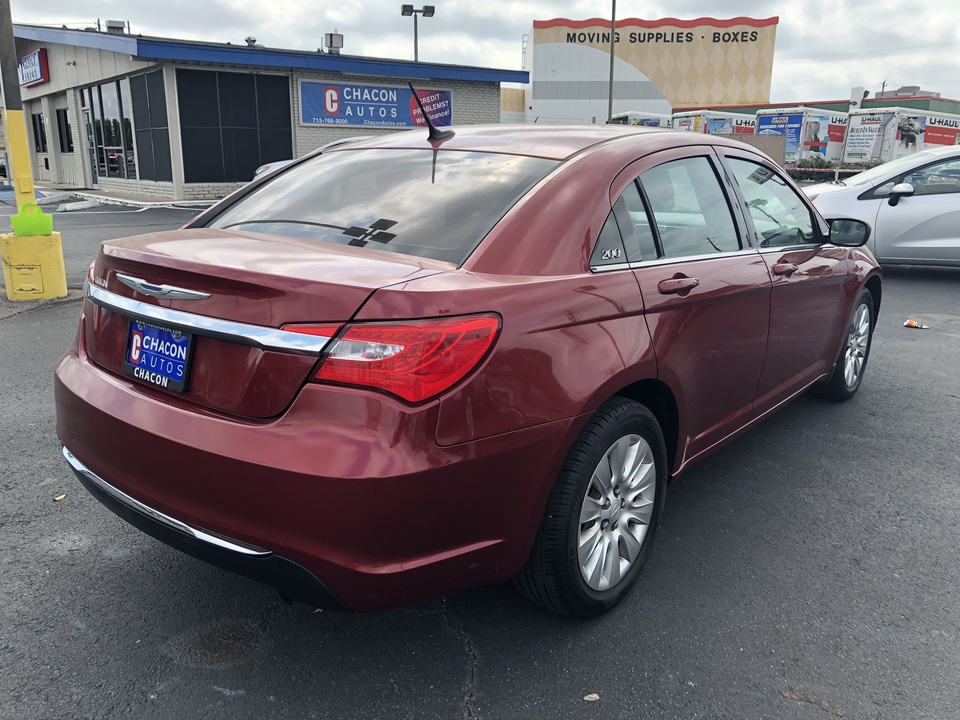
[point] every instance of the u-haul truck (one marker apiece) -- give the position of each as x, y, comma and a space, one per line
638, 117
887, 133
810, 132
715, 122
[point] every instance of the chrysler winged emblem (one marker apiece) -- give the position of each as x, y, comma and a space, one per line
168, 292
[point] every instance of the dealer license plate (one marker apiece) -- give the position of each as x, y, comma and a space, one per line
158, 355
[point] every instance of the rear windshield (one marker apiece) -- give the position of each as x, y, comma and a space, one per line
432, 204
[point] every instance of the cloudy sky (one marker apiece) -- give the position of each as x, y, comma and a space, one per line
824, 47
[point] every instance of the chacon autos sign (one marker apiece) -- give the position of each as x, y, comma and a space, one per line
32, 69
371, 105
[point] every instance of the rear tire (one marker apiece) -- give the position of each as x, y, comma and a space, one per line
847, 374
602, 515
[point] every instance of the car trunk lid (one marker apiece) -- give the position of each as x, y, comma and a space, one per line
232, 293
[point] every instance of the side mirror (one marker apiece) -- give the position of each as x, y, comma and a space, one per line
900, 190
848, 233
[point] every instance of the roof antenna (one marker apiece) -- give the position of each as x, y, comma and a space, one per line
434, 133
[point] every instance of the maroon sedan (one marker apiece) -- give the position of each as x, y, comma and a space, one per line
402, 367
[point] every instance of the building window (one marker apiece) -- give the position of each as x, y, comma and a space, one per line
64, 131
126, 123
231, 123
113, 129
115, 161
149, 103
39, 133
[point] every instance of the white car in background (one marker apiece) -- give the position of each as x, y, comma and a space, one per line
912, 203
267, 167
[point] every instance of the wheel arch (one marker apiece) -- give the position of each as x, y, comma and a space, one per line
875, 286
660, 400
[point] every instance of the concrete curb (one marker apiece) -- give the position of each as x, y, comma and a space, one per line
52, 199
79, 205
9, 308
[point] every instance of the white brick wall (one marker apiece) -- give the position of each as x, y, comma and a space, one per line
147, 188
209, 191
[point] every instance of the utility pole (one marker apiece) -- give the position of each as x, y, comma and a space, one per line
20, 173
613, 33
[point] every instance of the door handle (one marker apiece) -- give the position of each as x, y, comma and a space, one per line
784, 269
677, 285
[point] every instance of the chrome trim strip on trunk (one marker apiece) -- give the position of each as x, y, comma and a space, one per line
256, 335
122, 497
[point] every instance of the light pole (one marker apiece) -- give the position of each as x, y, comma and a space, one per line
426, 11
613, 33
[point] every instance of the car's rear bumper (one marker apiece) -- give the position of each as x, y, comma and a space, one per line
291, 579
347, 491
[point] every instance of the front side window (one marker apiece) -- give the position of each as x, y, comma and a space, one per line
939, 179
426, 203
690, 208
779, 215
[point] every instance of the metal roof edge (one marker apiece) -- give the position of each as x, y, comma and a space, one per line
267, 57
124, 44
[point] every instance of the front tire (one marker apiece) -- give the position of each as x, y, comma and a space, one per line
847, 374
602, 515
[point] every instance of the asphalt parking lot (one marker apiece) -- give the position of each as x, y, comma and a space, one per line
807, 570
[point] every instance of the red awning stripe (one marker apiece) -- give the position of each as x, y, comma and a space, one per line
665, 22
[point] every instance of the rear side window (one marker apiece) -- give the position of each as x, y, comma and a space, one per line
609, 248
690, 208
431, 204
632, 208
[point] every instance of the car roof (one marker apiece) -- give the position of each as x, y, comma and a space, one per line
941, 150
557, 142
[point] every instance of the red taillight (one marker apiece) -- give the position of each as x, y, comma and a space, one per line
414, 359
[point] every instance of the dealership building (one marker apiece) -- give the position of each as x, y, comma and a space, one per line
181, 120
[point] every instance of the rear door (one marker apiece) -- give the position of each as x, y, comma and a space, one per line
808, 305
705, 293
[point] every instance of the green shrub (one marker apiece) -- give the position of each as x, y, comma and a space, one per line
801, 171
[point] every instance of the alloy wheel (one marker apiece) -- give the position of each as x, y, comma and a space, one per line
858, 338
616, 512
